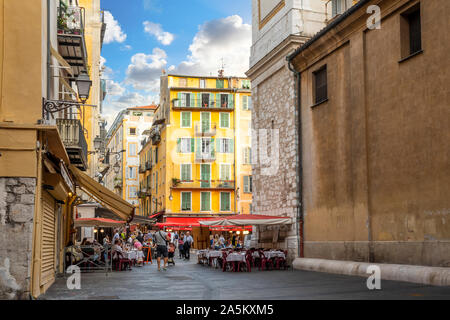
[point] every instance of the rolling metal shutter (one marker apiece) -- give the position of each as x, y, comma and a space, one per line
48, 239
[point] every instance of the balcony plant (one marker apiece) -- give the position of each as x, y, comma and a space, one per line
175, 182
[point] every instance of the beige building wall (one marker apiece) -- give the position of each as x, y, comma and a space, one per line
376, 154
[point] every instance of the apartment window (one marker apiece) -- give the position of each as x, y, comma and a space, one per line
220, 83
206, 145
202, 83
186, 169
247, 184
225, 145
225, 201
185, 119
245, 84
131, 173
132, 131
225, 172
224, 100
132, 192
205, 199
246, 103
224, 120
206, 98
185, 145
186, 198
132, 149
411, 33
186, 100
320, 85
247, 155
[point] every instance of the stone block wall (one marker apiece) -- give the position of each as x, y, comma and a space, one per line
274, 109
17, 201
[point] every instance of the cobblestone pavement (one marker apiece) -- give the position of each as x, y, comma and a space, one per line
188, 279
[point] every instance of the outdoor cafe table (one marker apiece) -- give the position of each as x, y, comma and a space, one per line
236, 257
270, 254
133, 254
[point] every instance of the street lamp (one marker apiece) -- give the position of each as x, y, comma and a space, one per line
84, 86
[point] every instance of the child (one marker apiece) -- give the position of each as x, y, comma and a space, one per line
171, 253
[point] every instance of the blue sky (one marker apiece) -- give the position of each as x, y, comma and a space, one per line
182, 36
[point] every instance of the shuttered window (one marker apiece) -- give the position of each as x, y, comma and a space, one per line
220, 83
247, 184
186, 172
247, 155
225, 172
48, 244
185, 119
185, 145
224, 120
205, 201
320, 82
186, 201
225, 145
225, 199
246, 102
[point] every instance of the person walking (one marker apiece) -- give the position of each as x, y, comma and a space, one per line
181, 245
161, 239
188, 241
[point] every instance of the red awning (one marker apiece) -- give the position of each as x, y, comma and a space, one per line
182, 222
156, 215
246, 219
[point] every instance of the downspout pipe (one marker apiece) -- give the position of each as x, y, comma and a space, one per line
49, 71
300, 207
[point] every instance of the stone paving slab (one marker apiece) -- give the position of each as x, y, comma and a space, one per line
188, 279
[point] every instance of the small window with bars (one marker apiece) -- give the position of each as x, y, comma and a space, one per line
320, 85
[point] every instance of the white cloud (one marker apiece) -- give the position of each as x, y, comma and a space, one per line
126, 48
228, 38
113, 32
144, 71
156, 30
114, 89
112, 107
152, 5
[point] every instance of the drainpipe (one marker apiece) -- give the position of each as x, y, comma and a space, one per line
48, 51
300, 208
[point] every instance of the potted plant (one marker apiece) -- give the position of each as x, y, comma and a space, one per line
175, 182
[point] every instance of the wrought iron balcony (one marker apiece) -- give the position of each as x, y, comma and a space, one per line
72, 135
205, 130
204, 104
71, 39
205, 157
155, 135
205, 184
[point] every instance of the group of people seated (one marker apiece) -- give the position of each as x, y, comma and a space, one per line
219, 242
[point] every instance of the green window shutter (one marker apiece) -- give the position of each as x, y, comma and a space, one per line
186, 201
218, 148
179, 145
199, 147
199, 100
231, 145
249, 104
245, 183
192, 145
205, 201
179, 99
244, 103
218, 103
212, 103
230, 101
224, 201
212, 147
192, 95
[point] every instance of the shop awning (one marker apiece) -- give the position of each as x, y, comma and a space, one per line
98, 222
181, 222
106, 197
246, 220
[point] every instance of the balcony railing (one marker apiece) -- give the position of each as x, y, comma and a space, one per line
205, 130
72, 135
155, 135
205, 157
204, 104
142, 168
148, 165
205, 184
71, 40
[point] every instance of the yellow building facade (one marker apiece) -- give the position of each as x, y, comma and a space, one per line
192, 152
